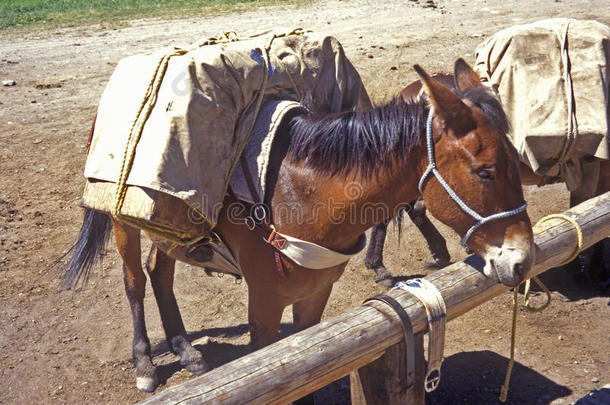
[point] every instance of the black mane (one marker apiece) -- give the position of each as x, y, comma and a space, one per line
375, 139
363, 140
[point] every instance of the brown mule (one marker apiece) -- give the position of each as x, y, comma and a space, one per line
436, 242
339, 175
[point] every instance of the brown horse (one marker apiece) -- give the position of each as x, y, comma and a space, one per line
436, 243
383, 153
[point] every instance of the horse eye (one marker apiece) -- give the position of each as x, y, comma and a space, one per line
484, 174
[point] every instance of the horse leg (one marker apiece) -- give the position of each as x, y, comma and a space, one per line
606, 260
374, 254
160, 269
306, 313
436, 243
595, 181
128, 245
264, 317
585, 257
603, 186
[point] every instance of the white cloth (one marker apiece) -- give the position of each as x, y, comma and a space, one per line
314, 256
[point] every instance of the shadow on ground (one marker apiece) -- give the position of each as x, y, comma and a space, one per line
215, 353
476, 378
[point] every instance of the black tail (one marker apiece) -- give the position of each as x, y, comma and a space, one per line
94, 233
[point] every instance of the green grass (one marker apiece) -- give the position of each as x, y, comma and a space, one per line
19, 13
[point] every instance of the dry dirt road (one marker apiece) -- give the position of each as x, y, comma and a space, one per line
74, 347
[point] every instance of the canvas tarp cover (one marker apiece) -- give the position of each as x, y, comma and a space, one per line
201, 115
552, 78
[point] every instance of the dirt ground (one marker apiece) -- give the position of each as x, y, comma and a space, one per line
75, 347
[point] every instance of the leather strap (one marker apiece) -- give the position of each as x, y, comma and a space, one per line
436, 311
262, 226
249, 179
407, 330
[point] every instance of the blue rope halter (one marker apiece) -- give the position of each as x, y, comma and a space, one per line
480, 220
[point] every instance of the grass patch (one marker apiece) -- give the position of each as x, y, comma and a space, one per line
19, 13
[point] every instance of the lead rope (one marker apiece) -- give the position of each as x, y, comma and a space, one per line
579, 244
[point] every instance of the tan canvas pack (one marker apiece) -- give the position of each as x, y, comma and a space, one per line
172, 124
552, 77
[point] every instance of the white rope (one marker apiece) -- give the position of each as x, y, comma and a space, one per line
436, 311
480, 220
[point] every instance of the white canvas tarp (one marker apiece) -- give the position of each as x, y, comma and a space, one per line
201, 110
552, 77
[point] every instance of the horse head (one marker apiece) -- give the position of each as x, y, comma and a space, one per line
472, 182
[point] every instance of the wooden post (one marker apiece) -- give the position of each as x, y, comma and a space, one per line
384, 380
308, 360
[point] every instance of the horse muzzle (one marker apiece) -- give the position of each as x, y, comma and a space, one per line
510, 263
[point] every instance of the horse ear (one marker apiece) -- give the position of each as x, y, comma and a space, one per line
465, 77
447, 104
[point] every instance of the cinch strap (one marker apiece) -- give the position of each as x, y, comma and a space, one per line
480, 220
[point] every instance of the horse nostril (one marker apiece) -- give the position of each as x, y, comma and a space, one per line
519, 270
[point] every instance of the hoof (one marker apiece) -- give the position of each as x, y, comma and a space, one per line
387, 283
441, 261
146, 384
193, 361
383, 277
198, 368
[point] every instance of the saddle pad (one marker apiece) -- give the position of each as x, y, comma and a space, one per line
258, 148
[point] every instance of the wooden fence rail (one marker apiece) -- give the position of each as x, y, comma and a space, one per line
313, 358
